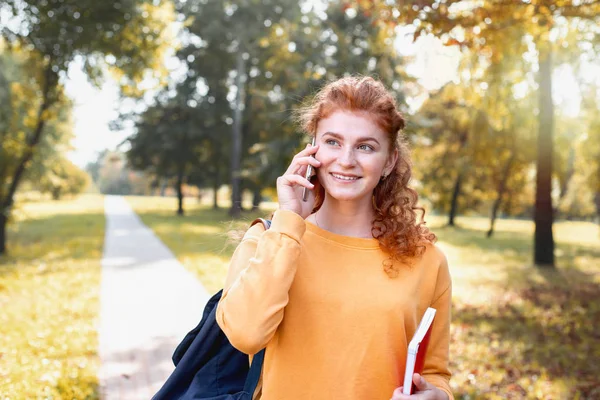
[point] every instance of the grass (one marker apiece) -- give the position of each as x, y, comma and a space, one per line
49, 297
200, 239
518, 331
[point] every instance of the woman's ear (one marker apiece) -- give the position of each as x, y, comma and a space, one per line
391, 162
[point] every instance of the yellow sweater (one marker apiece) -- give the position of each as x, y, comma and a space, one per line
335, 326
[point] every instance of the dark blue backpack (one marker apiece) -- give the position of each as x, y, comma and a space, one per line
207, 366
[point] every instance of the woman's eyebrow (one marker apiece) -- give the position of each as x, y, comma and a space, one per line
360, 139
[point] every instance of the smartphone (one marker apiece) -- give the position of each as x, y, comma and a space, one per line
309, 171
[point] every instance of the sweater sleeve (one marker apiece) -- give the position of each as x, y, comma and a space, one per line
260, 274
436, 370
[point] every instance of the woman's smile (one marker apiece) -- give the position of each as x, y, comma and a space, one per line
345, 178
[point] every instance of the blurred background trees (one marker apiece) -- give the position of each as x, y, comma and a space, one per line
128, 37
537, 31
490, 141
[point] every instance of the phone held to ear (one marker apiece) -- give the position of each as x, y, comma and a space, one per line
309, 171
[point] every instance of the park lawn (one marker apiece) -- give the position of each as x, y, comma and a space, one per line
49, 297
518, 332
202, 240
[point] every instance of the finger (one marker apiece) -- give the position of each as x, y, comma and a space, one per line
308, 150
298, 165
292, 180
307, 160
313, 149
421, 383
398, 395
300, 170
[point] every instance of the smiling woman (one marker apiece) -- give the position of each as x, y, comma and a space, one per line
365, 116
351, 265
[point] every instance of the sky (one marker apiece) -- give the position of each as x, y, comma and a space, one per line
93, 110
434, 64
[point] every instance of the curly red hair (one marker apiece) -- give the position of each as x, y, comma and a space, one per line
395, 225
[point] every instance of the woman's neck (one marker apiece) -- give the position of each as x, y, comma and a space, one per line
345, 218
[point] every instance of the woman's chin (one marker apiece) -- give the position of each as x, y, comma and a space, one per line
348, 195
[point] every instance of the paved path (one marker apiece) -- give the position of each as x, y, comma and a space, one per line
148, 303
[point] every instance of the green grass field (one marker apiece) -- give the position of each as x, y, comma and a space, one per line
49, 289
518, 332
200, 239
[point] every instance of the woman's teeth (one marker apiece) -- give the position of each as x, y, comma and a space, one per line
345, 178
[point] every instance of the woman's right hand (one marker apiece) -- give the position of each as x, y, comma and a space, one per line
290, 185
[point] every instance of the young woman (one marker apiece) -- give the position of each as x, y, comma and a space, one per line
336, 288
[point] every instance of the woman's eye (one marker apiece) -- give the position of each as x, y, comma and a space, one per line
366, 147
331, 142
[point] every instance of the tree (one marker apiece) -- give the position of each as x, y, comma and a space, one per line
63, 178
591, 143
128, 36
452, 123
167, 143
569, 131
506, 152
482, 27
291, 50
296, 58
510, 154
18, 86
205, 89
235, 28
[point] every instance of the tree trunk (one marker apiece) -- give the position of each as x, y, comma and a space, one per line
454, 203
501, 191
543, 213
215, 197
180, 193
49, 84
564, 184
3, 223
463, 139
236, 148
597, 202
216, 182
256, 198
495, 208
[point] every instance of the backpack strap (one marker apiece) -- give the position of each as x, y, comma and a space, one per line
254, 374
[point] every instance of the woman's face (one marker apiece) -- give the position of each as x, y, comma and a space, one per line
354, 154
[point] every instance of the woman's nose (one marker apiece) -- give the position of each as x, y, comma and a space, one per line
346, 158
